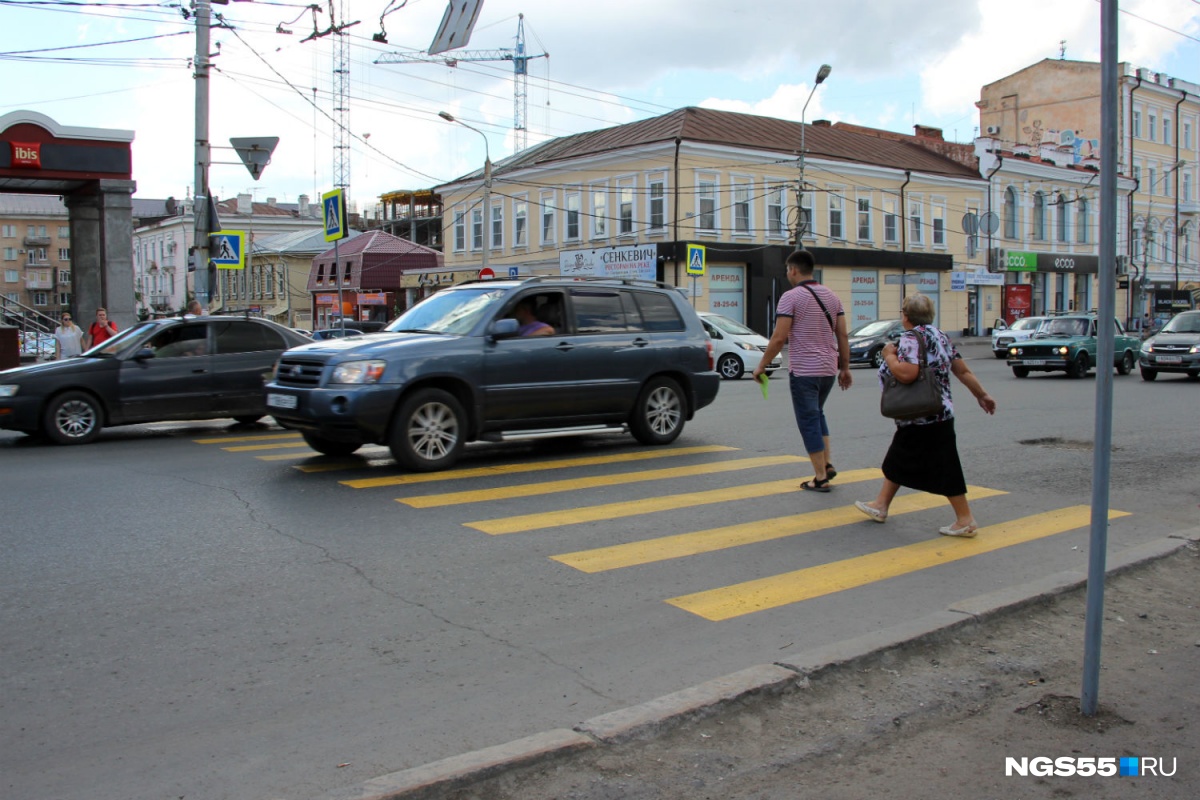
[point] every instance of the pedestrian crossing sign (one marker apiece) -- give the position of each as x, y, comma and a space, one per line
227, 249
695, 259
333, 206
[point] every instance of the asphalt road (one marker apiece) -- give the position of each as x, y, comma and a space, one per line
182, 617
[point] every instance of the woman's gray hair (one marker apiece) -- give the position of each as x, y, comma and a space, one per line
918, 308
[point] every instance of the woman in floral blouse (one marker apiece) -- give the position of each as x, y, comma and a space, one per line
924, 452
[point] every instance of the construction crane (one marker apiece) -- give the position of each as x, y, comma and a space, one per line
516, 55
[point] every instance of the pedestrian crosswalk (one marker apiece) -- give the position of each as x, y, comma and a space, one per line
588, 481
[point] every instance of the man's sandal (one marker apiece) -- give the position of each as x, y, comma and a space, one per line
830, 472
815, 485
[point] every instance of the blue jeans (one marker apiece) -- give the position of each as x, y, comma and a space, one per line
808, 401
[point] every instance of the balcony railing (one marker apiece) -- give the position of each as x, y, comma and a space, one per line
37, 241
38, 282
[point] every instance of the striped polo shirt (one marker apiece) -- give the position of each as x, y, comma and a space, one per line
812, 344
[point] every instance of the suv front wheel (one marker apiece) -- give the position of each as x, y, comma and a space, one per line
659, 414
428, 431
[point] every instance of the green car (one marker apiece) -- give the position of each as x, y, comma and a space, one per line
1068, 343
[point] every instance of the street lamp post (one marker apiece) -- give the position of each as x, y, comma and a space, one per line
801, 221
1148, 233
487, 186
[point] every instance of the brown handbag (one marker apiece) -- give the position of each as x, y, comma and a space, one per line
921, 398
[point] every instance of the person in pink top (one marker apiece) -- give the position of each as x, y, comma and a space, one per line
810, 320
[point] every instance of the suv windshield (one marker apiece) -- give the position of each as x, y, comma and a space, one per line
873, 328
453, 311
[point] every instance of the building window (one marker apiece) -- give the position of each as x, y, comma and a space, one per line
891, 221
1152, 175
477, 229
64, 299
1186, 190
1153, 126
520, 221
776, 202
836, 202
547, 219
1137, 124
1187, 136
938, 210
864, 218
658, 215
41, 298
599, 212
805, 214
916, 222
498, 226
1061, 218
1039, 216
64, 231
10, 254
1185, 242
1166, 130
460, 231
742, 223
706, 198
973, 234
1081, 220
11, 276
9, 232
625, 208
572, 215
64, 276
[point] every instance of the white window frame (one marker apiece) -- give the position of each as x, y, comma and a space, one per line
9, 232
708, 190
573, 197
741, 207
12, 276
1166, 130
891, 220
776, 196
520, 221
1152, 125
863, 218
548, 218
657, 202
835, 205
806, 214
497, 225
1039, 232
1136, 125
1082, 219
478, 231
937, 222
1062, 218
627, 207
598, 194
459, 226
915, 219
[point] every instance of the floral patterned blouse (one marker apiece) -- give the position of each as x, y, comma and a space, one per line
939, 353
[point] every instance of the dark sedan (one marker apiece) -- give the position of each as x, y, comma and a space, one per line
866, 342
164, 369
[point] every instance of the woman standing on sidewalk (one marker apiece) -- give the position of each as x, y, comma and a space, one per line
924, 452
68, 338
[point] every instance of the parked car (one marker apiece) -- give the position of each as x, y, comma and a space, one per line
867, 341
163, 369
736, 348
335, 333
1068, 343
1021, 329
1175, 348
623, 355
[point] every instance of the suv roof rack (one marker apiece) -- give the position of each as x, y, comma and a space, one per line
645, 282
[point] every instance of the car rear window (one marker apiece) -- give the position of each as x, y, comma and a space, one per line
599, 311
246, 337
658, 312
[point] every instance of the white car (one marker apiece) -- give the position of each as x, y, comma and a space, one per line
736, 348
1022, 329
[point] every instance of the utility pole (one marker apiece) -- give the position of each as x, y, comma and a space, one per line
200, 195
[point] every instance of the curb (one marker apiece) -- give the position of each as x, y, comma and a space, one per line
661, 714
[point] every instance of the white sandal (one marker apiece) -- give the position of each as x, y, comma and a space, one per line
874, 513
965, 532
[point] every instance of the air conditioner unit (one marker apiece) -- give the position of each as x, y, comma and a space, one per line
993, 130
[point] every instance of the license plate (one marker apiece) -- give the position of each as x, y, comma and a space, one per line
281, 400
1034, 362
1170, 359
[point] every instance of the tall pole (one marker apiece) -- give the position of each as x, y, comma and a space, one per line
487, 186
1106, 351
200, 195
801, 221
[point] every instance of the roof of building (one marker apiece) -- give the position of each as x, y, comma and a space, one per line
302, 242
733, 129
378, 242
39, 205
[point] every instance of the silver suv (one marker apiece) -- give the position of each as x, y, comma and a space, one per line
612, 356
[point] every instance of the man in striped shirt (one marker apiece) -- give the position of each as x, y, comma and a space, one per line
811, 321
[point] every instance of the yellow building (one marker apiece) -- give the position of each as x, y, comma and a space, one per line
881, 212
1056, 104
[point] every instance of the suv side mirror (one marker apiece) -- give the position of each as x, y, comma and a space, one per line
504, 328
143, 353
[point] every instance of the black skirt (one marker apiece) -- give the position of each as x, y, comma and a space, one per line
925, 458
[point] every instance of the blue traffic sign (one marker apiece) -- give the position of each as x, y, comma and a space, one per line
333, 205
695, 259
226, 249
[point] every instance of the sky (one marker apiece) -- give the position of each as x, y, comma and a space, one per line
895, 63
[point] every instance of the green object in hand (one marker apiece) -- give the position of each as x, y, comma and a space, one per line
764, 384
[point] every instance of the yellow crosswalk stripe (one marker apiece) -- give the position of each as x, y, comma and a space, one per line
631, 508
602, 559
365, 454
261, 437
536, 466
248, 448
805, 584
572, 484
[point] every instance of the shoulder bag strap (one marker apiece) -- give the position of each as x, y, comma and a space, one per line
822, 305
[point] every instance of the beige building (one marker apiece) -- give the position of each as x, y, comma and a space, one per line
35, 238
1056, 104
882, 213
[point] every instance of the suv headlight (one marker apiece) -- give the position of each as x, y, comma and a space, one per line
8, 390
358, 372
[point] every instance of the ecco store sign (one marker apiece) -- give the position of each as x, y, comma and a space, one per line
1027, 261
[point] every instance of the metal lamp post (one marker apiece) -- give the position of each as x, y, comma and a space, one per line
801, 222
487, 186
